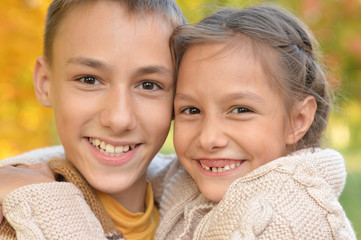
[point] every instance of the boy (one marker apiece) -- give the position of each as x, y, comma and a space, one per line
108, 75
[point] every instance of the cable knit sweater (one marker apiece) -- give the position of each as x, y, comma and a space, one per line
29, 207
67, 210
294, 197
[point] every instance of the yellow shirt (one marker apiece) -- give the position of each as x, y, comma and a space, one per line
134, 226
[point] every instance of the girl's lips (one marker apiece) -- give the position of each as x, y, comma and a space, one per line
219, 167
102, 154
218, 162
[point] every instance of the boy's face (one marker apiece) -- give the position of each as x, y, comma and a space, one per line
111, 87
228, 121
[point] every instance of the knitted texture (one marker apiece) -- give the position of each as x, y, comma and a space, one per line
34, 216
40, 155
294, 197
70, 204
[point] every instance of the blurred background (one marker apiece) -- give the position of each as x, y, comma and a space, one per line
25, 125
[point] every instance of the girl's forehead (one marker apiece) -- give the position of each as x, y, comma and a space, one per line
241, 51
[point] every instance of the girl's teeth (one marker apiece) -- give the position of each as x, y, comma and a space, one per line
221, 169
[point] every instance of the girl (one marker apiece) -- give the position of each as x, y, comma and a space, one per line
250, 107
112, 107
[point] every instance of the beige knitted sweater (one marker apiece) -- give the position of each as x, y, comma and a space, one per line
294, 197
30, 206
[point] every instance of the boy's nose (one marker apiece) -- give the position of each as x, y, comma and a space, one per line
211, 135
118, 112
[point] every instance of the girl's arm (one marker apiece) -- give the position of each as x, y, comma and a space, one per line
54, 210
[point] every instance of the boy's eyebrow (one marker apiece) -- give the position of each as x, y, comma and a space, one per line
153, 69
93, 63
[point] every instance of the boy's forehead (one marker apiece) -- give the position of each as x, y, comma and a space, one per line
108, 19
104, 37
121, 16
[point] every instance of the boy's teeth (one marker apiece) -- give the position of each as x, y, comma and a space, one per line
221, 169
109, 149
119, 149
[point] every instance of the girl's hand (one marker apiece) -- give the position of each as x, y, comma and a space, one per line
12, 177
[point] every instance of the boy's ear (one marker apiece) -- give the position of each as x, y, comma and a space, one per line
301, 119
41, 82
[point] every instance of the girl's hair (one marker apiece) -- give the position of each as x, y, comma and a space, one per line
59, 8
283, 46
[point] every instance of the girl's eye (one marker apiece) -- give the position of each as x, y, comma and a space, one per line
241, 110
191, 110
149, 86
88, 80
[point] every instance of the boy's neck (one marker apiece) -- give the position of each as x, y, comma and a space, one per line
133, 199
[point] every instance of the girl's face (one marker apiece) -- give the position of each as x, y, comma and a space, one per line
228, 120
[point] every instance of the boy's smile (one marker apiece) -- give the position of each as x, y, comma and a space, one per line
112, 155
111, 87
109, 149
228, 120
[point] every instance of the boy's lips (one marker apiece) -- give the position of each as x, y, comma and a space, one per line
110, 149
219, 165
111, 155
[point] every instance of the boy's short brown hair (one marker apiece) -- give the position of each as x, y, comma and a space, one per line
59, 8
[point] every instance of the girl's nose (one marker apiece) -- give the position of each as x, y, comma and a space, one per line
118, 112
211, 136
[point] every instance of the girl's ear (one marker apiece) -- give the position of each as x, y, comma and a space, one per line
41, 82
301, 119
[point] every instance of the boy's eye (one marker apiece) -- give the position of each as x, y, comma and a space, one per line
149, 86
88, 80
191, 110
241, 110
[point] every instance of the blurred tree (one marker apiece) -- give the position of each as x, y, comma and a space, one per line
24, 124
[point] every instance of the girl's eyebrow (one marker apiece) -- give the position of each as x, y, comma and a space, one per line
182, 96
233, 96
246, 95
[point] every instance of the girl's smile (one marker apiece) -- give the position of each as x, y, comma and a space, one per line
219, 167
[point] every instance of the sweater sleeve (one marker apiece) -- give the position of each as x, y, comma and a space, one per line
39, 155
159, 172
54, 210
